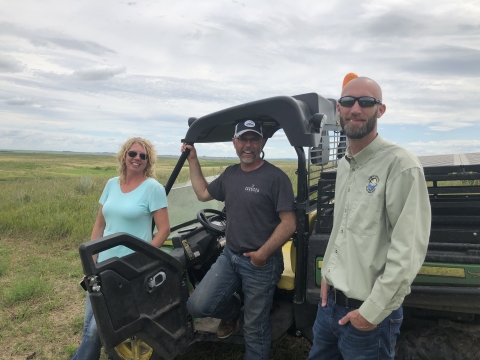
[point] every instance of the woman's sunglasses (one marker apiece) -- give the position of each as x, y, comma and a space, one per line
363, 101
132, 154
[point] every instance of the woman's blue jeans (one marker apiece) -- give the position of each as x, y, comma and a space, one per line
91, 345
333, 341
215, 297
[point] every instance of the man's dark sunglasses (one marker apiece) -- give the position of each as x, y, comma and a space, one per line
132, 154
363, 101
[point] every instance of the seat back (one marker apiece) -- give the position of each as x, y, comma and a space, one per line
287, 280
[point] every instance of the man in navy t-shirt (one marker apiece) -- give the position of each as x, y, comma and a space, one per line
259, 203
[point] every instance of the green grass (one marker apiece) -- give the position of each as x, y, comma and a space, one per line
4, 260
49, 209
49, 204
26, 289
61, 203
26, 166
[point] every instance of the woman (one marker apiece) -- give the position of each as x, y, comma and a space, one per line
128, 204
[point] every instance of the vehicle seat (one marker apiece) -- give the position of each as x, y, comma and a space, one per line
287, 280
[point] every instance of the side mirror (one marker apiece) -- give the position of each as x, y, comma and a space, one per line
191, 120
317, 121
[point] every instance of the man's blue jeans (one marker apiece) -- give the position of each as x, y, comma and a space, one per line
91, 345
333, 341
215, 297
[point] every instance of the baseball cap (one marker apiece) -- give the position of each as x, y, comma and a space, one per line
248, 125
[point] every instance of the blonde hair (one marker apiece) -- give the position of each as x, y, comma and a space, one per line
149, 150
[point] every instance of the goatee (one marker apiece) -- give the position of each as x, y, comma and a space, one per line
358, 132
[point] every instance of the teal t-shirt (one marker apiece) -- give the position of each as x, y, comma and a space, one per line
130, 212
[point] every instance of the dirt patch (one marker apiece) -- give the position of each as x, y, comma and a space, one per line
449, 341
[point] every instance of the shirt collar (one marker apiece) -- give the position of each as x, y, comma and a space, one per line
367, 153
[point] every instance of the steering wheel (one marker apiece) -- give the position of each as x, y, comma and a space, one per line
215, 224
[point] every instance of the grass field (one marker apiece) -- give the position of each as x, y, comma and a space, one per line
48, 206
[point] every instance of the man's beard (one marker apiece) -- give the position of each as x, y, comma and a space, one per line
247, 160
358, 131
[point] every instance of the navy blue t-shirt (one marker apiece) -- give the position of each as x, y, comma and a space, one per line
253, 200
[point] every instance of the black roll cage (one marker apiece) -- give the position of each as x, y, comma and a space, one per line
303, 118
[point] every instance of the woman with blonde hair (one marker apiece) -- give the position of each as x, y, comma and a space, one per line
128, 204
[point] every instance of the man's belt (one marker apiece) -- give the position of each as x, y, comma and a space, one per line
341, 299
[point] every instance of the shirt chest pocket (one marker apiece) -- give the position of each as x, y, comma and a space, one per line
364, 214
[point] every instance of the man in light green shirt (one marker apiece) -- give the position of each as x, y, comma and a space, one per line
379, 238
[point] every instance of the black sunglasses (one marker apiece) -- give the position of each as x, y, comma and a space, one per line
132, 154
363, 101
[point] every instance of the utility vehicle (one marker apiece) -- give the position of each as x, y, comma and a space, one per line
139, 301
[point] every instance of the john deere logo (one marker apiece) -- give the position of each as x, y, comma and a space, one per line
372, 183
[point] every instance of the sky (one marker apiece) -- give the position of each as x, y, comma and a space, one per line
86, 75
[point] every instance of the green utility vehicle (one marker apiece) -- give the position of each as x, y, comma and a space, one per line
139, 301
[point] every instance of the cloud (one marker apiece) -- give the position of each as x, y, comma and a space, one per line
99, 73
62, 141
19, 102
51, 38
441, 128
446, 60
394, 25
10, 65
13, 134
63, 67
73, 44
448, 125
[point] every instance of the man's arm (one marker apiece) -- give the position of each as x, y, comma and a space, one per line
283, 231
199, 183
408, 210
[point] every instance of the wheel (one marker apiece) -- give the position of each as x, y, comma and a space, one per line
133, 349
215, 224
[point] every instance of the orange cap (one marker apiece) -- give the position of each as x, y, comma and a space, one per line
348, 77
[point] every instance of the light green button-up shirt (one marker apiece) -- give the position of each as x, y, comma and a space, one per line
381, 227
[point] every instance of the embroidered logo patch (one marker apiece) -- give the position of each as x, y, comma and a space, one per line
249, 123
372, 183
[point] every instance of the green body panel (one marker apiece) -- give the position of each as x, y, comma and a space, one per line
434, 274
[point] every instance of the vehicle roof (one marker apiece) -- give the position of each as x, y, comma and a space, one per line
468, 162
438, 164
293, 114
450, 159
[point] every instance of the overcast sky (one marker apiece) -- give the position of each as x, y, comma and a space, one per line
87, 75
